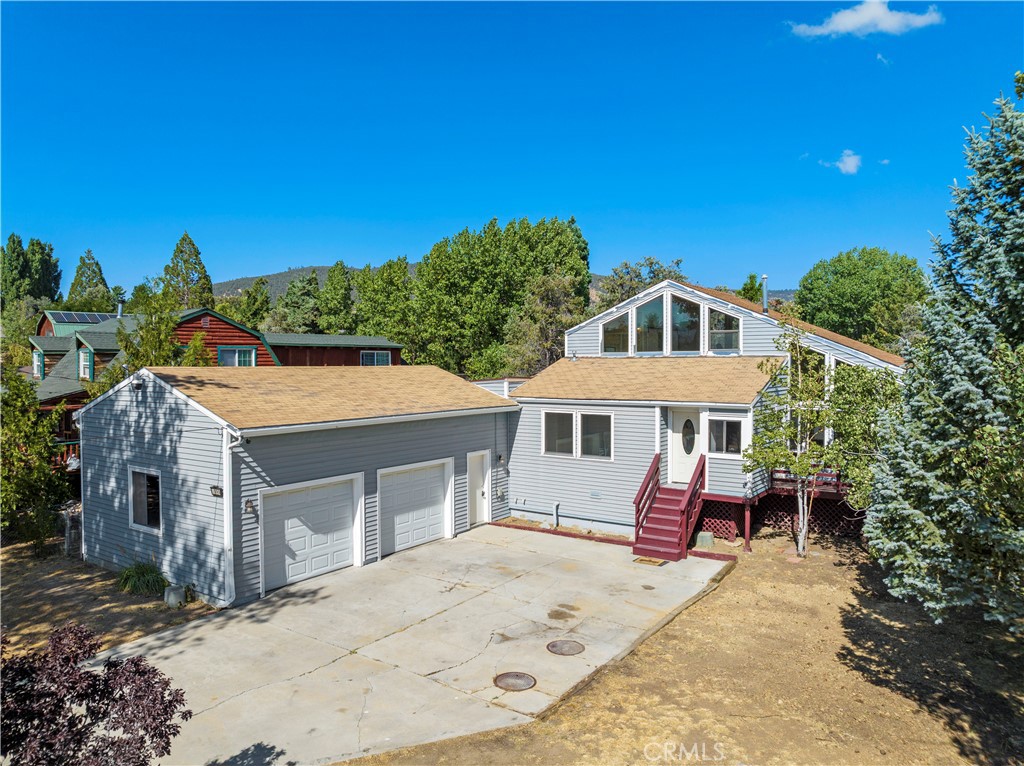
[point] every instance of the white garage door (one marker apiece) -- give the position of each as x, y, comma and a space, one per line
411, 507
307, 532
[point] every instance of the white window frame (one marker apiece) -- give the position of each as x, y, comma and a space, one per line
745, 432
38, 364
669, 351
739, 335
376, 355
578, 429
630, 323
134, 469
235, 350
577, 435
85, 361
634, 335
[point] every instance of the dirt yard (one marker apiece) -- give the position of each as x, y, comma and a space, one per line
808, 663
39, 594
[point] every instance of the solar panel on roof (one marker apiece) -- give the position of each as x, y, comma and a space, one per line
80, 317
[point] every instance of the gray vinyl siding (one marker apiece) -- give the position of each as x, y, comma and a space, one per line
584, 341
494, 386
725, 476
152, 429
586, 489
268, 461
759, 336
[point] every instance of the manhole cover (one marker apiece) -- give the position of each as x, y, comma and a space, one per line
565, 648
515, 681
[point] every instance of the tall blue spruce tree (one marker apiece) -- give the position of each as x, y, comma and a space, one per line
947, 520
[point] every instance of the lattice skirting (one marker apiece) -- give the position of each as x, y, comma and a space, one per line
831, 517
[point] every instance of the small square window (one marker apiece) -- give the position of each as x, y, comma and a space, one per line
595, 435
375, 358
725, 436
558, 435
145, 499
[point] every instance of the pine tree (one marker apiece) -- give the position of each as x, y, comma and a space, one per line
298, 309
44, 270
185, 277
255, 303
335, 301
14, 270
751, 289
141, 295
89, 290
536, 332
196, 354
947, 520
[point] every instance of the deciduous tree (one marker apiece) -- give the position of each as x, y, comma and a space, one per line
57, 710
335, 301
29, 488
947, 518
536, 332
862, 293
627, 279
385, 303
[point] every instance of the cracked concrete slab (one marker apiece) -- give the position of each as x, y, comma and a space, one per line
405, 651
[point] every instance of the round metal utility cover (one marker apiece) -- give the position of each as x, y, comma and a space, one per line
515, 681
565, 647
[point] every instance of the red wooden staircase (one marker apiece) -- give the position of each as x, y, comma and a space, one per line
667, 516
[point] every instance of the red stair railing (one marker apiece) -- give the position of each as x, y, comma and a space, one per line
648, 491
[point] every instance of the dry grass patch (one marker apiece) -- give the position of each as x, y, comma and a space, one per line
40, 594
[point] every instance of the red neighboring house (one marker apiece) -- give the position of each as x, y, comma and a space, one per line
72, 348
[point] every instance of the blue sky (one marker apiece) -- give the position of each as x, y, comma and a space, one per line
282, 135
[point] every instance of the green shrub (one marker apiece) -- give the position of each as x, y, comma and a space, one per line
143, 579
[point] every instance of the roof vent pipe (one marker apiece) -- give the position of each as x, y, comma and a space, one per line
764, 293
120, 309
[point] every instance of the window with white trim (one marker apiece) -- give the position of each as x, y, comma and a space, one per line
375, 358
559, 436
595, 435
615, 335
723, 331
144, 499
85, 363
650, 327
37, 364
236, 357
685, 325
725, 437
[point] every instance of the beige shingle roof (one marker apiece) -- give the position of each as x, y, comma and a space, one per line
719, 379
257, 397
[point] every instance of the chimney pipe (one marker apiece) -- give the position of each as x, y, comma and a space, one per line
120, 309
764, 293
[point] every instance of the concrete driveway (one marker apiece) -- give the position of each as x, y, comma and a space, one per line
405, 651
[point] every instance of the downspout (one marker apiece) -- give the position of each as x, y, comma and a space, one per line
229, 516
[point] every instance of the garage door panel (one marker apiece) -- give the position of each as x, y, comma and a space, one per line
307, 532
412, 507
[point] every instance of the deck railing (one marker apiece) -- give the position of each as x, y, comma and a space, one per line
691, 503
825, 480
648, 491
66, 451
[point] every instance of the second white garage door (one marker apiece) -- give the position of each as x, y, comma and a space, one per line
412, 506
307, 531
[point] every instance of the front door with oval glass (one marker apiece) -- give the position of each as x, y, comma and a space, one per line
684, 445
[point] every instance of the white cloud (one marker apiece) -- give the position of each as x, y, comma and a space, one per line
883, 162
883, 59
869, 17
848, 163
805, 155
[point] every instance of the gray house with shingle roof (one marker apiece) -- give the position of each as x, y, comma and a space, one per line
240, 481
243, 480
